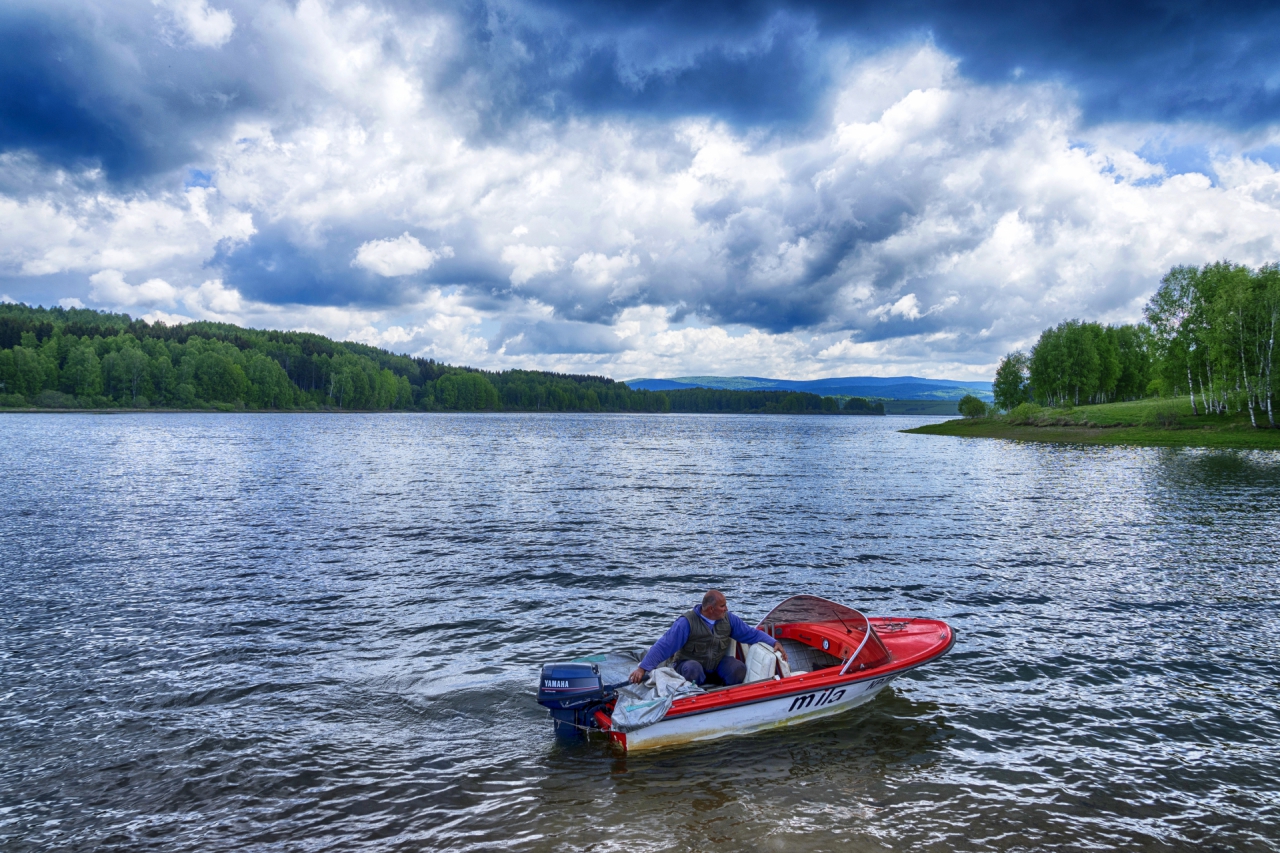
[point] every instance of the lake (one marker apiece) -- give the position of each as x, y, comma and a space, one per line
323, 632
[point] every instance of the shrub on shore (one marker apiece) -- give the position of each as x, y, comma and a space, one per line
971, 407
1023, 413
1164, 414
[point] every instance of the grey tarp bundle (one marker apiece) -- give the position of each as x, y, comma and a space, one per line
640, 705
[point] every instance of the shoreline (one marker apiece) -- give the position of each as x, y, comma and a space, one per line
1134, 436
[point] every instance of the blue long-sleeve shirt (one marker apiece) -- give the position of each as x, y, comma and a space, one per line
678, 634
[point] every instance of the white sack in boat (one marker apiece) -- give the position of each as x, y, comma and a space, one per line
641, 705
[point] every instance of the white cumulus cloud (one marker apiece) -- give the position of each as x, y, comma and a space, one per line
109, 288
529, 261
200, 22
403, 255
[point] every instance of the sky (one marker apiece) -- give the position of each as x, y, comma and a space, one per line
794, 190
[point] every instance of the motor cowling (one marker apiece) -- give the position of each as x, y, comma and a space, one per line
570, 685
572, 692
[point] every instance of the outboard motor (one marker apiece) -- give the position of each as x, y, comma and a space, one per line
573, 692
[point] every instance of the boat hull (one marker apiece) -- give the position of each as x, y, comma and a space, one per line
843, 659
756, 716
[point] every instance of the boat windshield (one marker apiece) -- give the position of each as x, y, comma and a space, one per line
813, 609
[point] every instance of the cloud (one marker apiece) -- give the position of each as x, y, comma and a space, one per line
284, 264
96, 83
621, 190
109, 288
204, 25
544, 336
908, 307
78, 226
765, 62
166, 318
529, 261
403, 255
599, 270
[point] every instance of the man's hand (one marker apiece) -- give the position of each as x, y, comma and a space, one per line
638, 675
777, 646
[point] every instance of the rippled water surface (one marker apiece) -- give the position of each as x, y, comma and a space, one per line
322, 633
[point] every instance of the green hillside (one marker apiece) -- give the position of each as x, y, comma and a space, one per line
56, 358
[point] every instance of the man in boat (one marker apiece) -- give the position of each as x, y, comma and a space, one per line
700, 639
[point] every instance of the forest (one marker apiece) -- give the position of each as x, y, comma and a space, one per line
1209, 336
58, 358
768, 402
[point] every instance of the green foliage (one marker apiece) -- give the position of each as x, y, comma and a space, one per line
1210, 338
1012, 384
971, 407
1164, 415
1078, 362
66, 358
55, 400
711, 400
1153, 423
466, 391
82, 373
540, 392
1214, 333
22, 371
862, 406
1023, 413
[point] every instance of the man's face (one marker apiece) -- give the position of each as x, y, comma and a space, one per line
716, 610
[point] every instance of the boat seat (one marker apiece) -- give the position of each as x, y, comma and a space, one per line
764, 664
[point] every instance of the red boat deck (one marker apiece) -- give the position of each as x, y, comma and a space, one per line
907, 643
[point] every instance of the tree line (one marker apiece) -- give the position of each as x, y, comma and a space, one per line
69, 358
768, 402
1209, 335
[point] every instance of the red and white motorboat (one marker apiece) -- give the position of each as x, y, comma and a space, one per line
838, 659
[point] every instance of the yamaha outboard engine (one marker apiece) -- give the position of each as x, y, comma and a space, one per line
572, 692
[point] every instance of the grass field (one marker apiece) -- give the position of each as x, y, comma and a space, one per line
1150, 423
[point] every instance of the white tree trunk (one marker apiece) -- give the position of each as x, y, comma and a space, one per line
1248, 392
1271, 346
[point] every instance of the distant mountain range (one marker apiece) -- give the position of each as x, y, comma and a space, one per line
884, 387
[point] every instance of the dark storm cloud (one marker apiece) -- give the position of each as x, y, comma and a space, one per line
771, 74
87, 86
270, 268
276, 266
101, 84
1158, 61
273, 267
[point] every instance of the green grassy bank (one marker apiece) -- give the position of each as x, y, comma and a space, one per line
1147, 423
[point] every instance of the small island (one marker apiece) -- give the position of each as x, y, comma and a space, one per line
1197, 373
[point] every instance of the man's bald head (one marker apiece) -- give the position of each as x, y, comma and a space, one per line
713, 604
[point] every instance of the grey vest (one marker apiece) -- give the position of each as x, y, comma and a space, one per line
705, 645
